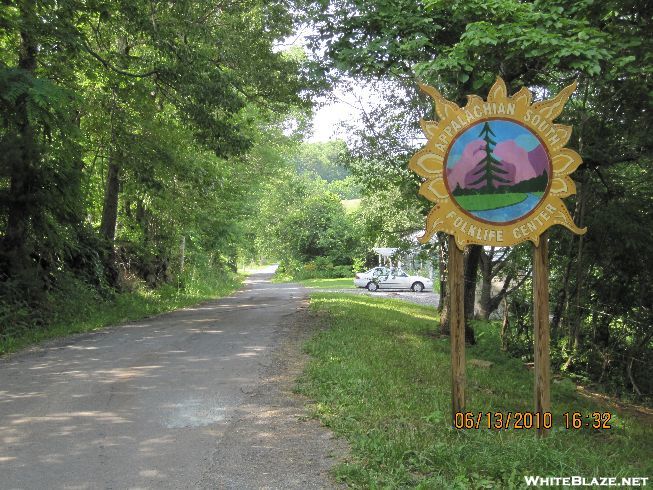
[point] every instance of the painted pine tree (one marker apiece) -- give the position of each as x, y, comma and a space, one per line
489, 169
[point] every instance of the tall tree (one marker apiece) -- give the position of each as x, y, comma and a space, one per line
126, 125
40, 203
489, 167
461, 46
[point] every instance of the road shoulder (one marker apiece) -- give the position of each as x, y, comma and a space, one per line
272, 441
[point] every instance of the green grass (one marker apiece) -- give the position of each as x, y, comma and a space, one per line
340, 283
79, 309
316, 283
490, 201
380, 379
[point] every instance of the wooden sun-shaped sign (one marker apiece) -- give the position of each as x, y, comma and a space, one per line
497, 170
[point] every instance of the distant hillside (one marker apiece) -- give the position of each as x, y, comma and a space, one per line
324, 159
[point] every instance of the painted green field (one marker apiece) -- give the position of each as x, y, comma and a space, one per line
380, 379
490, 201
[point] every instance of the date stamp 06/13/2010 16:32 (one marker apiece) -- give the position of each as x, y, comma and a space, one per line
531, 420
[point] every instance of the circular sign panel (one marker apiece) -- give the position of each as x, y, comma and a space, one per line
496, 169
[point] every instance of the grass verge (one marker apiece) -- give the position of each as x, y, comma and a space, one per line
340, 283
337, 283
380, 379
79, 309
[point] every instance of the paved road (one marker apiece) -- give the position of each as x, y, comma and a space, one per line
174, 401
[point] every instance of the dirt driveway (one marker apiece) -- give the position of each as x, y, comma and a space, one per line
197, 398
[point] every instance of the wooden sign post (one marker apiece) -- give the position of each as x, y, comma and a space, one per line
456, 290
541, 327
497, 171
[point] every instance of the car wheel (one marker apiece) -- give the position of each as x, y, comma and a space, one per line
372, 286
418, 287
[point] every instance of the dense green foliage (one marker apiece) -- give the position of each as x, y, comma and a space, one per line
132, 137
602, 283
142, 141
376, 379
74, 307
303, 224
325, 160
325, 230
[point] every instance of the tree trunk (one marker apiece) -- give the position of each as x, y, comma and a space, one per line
23, 169
574, 333
110, 219
505, 325
110, 205
442, 274
563, 294
112, 190
602, 332
486, 285
182, 254
637, 350
443, 307
472, 258
444, 320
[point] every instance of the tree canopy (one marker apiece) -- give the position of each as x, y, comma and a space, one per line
460, 47
143, 141
130, 127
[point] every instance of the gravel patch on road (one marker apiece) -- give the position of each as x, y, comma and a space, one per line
424, 298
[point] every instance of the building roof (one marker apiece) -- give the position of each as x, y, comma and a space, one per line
385, 251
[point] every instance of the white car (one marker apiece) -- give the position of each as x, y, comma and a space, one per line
397, 279
362, 279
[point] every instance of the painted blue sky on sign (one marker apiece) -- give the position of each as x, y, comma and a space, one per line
504, 130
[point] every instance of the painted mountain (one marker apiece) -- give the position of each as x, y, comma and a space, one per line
497, 170
520, 165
